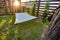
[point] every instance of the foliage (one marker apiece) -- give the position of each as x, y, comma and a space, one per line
33, 9
31, 30
28, 10
46, 11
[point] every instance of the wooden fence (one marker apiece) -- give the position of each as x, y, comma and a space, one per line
53, 5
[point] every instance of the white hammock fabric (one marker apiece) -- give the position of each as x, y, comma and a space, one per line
23, 17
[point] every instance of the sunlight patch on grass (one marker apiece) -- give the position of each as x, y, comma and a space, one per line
3, 37
2, 23
10, 21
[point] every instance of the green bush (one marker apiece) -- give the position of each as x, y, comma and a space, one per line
33, 9
28, 10
46, 11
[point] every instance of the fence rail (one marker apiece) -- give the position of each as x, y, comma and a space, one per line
53, 5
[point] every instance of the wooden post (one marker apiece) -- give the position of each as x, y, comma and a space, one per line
38, 8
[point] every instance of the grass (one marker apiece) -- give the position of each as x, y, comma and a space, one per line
31, 30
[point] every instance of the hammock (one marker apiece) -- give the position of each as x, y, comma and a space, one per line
23, 17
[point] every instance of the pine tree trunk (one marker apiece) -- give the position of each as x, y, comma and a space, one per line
54, 28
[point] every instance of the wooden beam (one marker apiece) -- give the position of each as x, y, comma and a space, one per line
38, 8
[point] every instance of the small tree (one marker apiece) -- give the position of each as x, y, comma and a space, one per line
28, 10
46, 11
33, 9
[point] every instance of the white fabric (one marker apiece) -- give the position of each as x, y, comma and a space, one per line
23, 17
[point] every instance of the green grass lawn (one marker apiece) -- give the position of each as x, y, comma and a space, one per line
31, 30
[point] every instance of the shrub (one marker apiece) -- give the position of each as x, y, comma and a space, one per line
33, 9
28, 10
46, 11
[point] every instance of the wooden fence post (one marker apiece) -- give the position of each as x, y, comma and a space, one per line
38, 8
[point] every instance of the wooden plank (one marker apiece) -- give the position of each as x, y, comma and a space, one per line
50, 2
